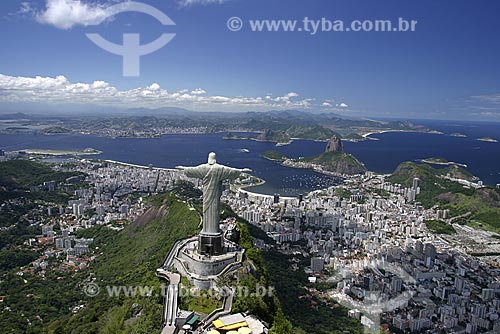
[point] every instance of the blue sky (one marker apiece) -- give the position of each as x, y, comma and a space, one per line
448, 68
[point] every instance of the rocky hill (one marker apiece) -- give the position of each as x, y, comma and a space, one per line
407, 171
334, 159
335, 145
338, 162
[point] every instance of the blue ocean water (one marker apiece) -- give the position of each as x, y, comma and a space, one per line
383, 155
482, 158
392, 148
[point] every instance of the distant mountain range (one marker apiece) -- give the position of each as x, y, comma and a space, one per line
280, 126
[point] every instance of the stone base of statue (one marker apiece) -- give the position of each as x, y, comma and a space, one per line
210, 244
203, 269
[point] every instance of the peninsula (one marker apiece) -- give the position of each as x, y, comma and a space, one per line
442, 162
38, 151
334, 161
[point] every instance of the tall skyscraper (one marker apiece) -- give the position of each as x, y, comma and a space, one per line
317, 264
276, 198
416, 183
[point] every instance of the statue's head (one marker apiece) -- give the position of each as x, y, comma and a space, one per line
212, 158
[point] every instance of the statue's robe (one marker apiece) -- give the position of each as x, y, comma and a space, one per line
212, 176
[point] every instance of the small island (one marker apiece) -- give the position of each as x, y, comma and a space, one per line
488, 139
273, 155
456, 134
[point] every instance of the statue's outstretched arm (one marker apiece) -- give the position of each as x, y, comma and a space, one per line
195, 172
234, 173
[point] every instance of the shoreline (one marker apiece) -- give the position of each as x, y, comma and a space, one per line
258, 140
56, 153
138, 166
242, 188
315, 168
366, 135
441, 163
253, 193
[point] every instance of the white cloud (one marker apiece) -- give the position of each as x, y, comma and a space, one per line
490, 114
487, 105
154, 87
330, 105
287, 98
65, 14
489, 98
198, 91
59, 90
25, 8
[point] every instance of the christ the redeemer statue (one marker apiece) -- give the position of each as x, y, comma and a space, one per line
212, 175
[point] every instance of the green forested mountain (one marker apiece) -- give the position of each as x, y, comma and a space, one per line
478, 208
127, 257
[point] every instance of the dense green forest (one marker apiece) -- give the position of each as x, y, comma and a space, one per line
131, 257
439, 227
308, 313
21, 174
128, 257
16, 179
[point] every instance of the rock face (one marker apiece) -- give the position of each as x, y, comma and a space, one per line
339, 162
334, 145
265, 136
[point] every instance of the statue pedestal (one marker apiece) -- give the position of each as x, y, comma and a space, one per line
203, 269
210, 244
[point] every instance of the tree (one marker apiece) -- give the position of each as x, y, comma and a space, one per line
281, 325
